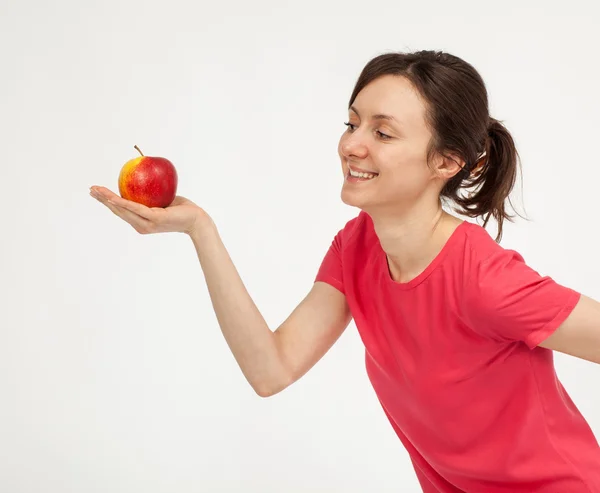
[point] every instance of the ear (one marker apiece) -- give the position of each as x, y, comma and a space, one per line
448, 165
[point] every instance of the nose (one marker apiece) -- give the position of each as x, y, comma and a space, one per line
352, 145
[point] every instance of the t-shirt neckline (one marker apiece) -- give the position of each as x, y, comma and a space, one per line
453, 238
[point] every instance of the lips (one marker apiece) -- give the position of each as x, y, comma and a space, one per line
359, 170
357, 174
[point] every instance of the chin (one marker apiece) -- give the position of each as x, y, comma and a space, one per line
353, 199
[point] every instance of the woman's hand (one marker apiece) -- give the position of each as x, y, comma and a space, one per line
182, 216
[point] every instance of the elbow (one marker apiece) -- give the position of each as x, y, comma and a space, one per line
266, 391
269, 389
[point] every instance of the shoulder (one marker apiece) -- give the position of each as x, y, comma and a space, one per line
493, 274
484, 256
355, 229
481, 244
505, 298
343, 252
497, 277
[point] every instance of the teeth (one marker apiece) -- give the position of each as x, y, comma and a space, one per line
358, 174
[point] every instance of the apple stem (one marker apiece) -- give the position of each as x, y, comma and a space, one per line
138, 149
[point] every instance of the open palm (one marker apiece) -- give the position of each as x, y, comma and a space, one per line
181, 216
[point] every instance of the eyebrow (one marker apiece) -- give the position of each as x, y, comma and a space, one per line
379, 116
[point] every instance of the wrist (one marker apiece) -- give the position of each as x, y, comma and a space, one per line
202, 227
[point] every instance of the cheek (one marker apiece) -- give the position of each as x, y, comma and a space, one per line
341, 145
407, 168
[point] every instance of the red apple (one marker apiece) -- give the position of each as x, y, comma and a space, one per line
148, 180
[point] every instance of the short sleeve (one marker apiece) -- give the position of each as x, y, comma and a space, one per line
330, 270
507, 300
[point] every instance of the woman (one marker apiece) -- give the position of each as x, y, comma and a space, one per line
458, 331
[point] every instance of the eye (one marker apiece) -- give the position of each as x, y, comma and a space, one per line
381, 135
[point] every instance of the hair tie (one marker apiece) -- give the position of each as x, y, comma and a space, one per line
479, 164
482, 158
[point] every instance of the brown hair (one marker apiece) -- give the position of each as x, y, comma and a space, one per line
458, 116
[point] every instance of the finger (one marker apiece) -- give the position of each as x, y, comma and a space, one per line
103, 192
139, 223
134, 207
139, 209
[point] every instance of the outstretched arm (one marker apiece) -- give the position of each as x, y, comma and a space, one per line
270, 360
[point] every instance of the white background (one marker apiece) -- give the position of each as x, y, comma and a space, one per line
114, 376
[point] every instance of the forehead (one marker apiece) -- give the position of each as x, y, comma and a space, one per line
391, 95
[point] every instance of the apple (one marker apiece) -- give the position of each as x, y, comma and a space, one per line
148, 180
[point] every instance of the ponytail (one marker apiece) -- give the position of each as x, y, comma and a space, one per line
492, 178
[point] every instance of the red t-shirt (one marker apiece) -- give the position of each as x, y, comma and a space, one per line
453, 358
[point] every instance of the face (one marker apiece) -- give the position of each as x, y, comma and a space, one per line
384, 149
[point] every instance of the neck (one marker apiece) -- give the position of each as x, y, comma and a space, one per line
411, 239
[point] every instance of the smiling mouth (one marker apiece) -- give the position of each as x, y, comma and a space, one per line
359, 175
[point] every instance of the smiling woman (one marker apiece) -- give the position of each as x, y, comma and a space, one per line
413, 121
458, 331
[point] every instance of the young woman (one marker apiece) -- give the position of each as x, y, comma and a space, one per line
459, 332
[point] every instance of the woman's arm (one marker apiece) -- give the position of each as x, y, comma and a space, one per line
579, 334
270, 360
